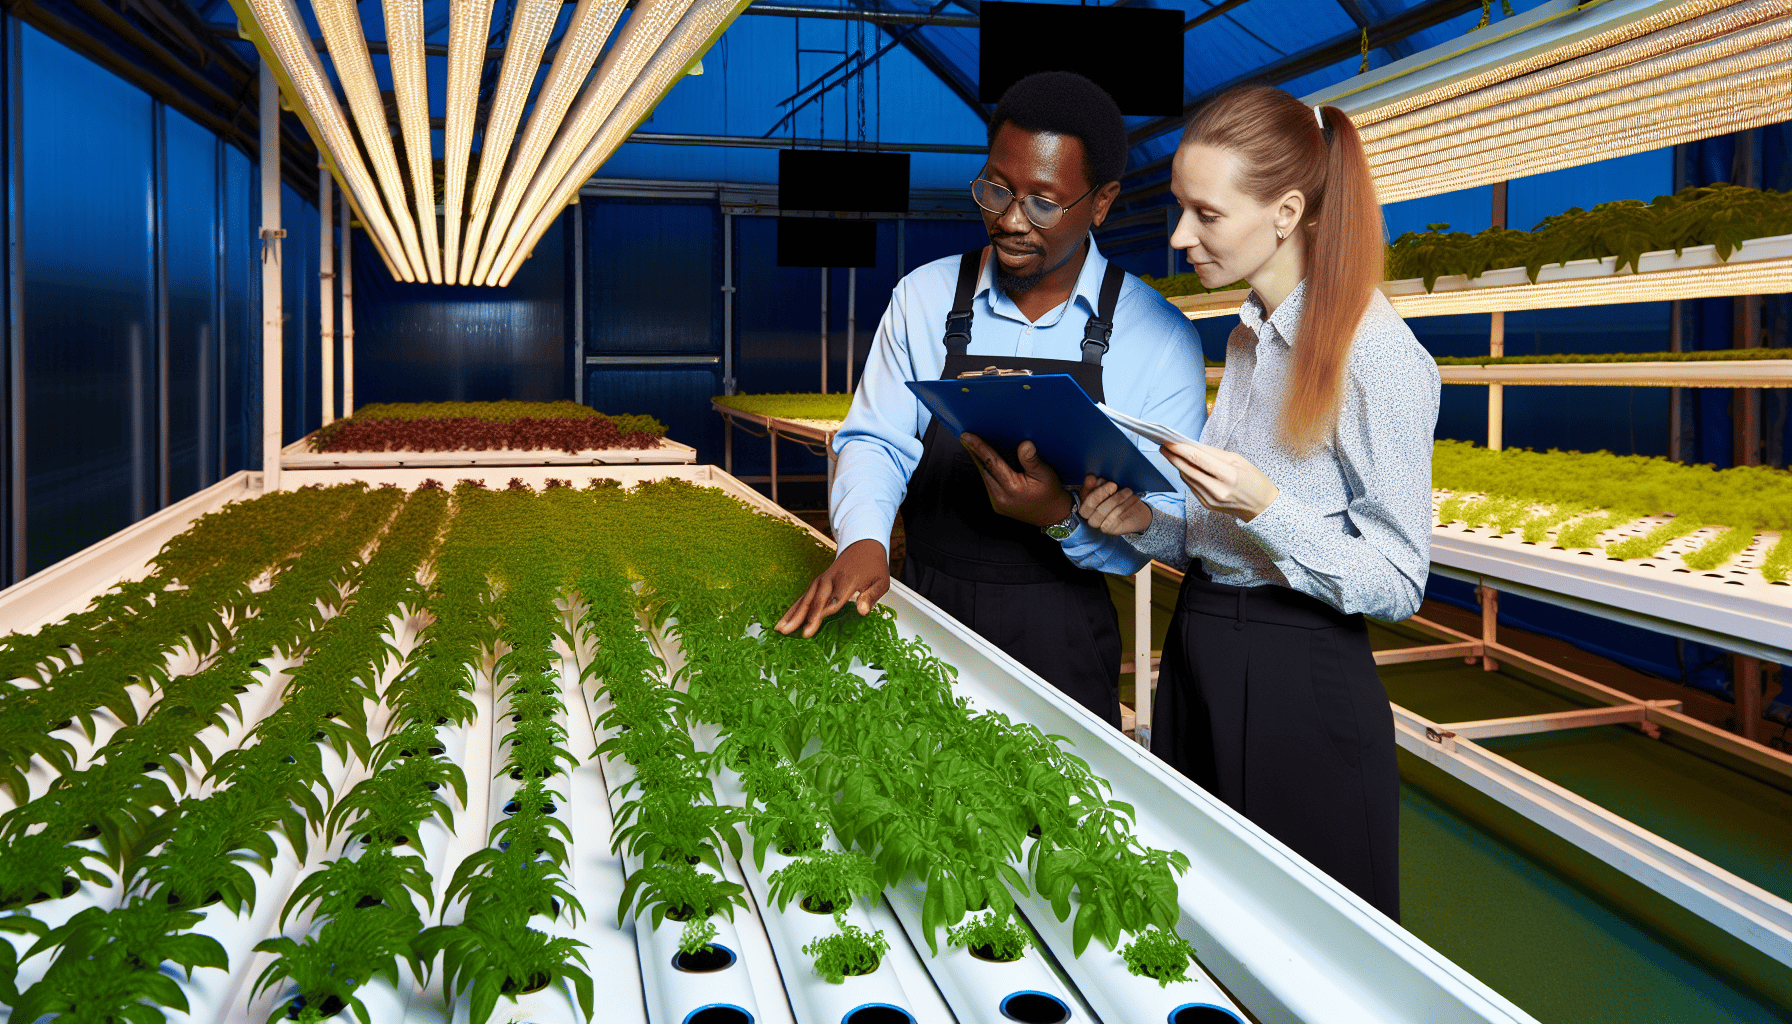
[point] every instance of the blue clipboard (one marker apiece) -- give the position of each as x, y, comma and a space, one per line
1051, 410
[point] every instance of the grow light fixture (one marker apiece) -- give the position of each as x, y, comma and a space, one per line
289, 46
410, 82
701, 25
1568, 84
647, 28
521, 179
532, 24
469, 21
341, 26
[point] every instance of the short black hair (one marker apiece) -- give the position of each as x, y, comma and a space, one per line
1066, 103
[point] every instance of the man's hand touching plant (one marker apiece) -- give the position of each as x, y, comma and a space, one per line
860, 573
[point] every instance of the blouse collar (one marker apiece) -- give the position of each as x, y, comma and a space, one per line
1286, 318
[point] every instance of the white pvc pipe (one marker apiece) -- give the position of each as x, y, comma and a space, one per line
272, 313
975, 989
1100, 974
790, 929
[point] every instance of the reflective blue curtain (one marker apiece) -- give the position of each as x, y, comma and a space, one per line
88, 146
140, 303
433, 343
191, 240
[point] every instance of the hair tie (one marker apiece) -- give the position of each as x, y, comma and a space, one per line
1319, 115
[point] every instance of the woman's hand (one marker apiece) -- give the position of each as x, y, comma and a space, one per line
1111, 509
1221, 480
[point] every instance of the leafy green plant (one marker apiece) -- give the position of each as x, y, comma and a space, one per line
349, 951
826, 882
991, 936
850, 951
1159, 954
110, 962
792, 406
496, 955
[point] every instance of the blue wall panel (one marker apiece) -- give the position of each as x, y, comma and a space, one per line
299, 393
191, 239
433, 343
241, 324
652, 277
89, 301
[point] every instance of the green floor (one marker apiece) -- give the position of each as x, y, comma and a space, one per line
1564, 937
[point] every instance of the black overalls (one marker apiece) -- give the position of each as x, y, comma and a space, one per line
1002, 577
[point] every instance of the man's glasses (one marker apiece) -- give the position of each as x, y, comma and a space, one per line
1041, 212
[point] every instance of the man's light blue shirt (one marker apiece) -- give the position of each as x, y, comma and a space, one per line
1153, 370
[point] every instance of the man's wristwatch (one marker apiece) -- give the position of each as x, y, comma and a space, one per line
1066, 526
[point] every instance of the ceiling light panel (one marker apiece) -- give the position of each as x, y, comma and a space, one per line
580, 46
410, 84
341, 26
647, 28
531, 27
1567, 85
292, 50
469, 25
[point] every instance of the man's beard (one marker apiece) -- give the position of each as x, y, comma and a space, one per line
1015, 285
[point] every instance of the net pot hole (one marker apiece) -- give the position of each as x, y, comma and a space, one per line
719, 1013
1200, 1013
877, 1013
710, 958
1035, 1008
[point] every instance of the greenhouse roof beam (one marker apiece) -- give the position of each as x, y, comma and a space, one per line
881, 17
1402, 25
945, 71
755, 142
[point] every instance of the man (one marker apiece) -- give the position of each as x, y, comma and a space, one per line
997, 546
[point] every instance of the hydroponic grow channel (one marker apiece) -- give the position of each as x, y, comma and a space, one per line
1277, 938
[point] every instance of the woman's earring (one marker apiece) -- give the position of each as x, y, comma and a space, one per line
1278, 234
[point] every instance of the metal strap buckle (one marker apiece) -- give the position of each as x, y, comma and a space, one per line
994, 371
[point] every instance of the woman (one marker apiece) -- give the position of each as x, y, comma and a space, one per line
1311, 509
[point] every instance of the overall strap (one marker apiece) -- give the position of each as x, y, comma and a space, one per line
958, 322
1101, 326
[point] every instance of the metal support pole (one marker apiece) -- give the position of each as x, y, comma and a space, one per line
272, 312
16, 559
852, 320
771, 437
901, 247
1171, 216
728, 444
578, 304
1496, 344
326, 294
1142, 674
1748, 697
728, 317
1746, 402
824, 334
1490, 625
1676, 343
348, 310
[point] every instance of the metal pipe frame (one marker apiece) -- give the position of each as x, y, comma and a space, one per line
272, 311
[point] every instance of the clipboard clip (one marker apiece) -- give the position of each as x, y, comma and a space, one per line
994, 371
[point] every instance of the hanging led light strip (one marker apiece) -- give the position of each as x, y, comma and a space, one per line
531, 26
297, 59
341, 26
410, 83
580, 46
1696, 274
696, 33
1716, 107
1690, 66
1380, 124
469, 22
647, 28
1494, 57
